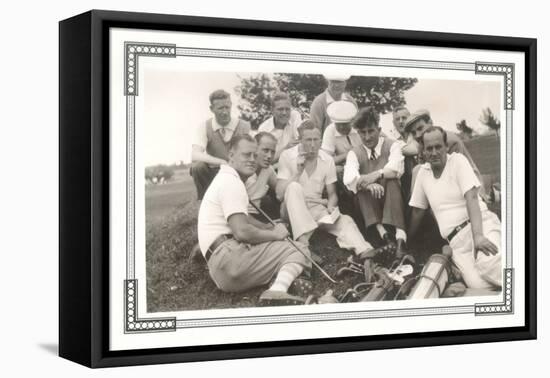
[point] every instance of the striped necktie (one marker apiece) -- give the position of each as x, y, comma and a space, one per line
223, 132
372, 154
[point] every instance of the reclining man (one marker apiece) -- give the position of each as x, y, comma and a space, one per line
211, 145
304, 173
372, 171
448, 185
242, 253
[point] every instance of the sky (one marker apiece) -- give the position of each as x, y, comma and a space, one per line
176, 105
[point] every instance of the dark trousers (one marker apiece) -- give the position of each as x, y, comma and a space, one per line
388, 210
202, 174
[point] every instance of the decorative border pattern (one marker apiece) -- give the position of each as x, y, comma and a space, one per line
506, 307
135, 49
132, 323
507, 71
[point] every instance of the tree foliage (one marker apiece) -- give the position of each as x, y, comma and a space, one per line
465, 131
489, 119
384, 93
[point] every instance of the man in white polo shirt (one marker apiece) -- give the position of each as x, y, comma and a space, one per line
448, 185
240, 251
283, 125
304, 172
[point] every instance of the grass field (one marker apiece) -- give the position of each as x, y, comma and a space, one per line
175, 283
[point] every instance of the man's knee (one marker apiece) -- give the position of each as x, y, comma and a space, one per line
293, 189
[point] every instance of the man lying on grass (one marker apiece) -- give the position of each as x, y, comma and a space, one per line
240, 251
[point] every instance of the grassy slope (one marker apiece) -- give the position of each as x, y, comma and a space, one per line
175, 283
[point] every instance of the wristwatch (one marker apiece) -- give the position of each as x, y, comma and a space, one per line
381, 172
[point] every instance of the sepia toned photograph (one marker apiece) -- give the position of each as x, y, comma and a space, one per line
267, 189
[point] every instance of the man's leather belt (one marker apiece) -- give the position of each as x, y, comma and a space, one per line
215, 244
457, 230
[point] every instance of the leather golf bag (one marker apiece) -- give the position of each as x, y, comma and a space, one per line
434, 277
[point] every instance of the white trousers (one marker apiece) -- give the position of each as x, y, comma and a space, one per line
303, 216
484, 271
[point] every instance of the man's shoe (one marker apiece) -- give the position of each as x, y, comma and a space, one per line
279, 298
301, 287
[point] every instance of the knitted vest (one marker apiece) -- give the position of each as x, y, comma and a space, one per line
366, 165
216, 146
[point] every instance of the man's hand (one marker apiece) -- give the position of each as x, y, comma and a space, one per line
330, 208
365, 180
280, 231
376, 190
484, 245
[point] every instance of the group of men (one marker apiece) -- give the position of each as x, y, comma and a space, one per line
337, 156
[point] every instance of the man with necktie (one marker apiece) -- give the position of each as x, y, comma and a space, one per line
210, 148
372, 171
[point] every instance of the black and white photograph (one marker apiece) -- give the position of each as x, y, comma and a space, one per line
273, 189
267, 186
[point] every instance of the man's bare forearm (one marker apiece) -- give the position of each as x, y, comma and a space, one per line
474, 212
417, 215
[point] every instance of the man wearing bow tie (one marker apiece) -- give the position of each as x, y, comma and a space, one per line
372, 171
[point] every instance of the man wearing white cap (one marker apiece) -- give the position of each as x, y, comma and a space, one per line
283, 125
334, 92
339, 137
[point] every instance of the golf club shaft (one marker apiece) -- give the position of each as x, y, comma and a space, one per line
294, 244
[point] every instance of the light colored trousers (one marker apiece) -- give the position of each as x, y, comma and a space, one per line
484, 271
303, 216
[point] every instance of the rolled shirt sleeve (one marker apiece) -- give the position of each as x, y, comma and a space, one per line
465, 175
396, 160
285, 170
331, 177
200, 138
328, 144
234, 198
351, 172
418, 195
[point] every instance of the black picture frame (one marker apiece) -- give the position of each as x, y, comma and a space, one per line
84, 187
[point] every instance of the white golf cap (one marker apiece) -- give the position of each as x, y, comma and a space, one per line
336, 77
341, 111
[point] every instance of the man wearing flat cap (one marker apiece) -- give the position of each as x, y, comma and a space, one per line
336, 86
417, 123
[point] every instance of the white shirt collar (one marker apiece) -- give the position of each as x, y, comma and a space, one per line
270, 126
321, 155
225, 168
230, 126
428, 166
378, 148
338, 134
